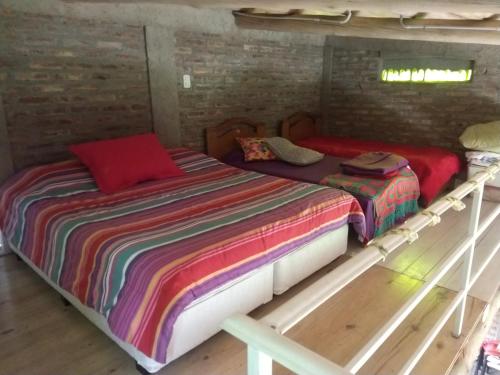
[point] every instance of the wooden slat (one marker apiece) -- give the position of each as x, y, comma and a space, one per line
398, 7
381, 28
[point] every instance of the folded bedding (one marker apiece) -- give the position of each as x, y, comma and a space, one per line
141, 255
482, 158
383, 204
374, 164
434, 166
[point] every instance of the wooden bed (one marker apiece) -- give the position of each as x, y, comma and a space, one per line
300, 125
221, 139
435, 167
223, 146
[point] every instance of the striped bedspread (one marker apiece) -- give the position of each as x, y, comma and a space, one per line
140, 256
394, 199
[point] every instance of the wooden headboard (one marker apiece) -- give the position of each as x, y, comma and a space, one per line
221, 139
300, 125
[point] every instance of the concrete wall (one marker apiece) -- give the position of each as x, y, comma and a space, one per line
358, 104
258, 74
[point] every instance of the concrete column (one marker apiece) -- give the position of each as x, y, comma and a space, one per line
6, 165
160, 50
326, 86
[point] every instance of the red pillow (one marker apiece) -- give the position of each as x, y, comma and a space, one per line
117, 164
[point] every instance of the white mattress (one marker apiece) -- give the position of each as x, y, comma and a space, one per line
202, 318
303, 262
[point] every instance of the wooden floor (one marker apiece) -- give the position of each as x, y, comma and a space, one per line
421, 259
39, 335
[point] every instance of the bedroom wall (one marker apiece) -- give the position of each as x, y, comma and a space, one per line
69, 80
80, 71
357, 104
234, 76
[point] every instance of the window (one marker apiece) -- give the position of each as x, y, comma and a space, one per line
428, 70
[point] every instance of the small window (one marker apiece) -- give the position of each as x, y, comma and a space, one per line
429, 70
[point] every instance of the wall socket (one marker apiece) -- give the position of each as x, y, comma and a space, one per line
186, 81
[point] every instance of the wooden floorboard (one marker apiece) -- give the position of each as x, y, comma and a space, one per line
38, 334
421, 259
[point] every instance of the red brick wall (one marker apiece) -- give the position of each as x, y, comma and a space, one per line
66, 80
358, 104
238, 76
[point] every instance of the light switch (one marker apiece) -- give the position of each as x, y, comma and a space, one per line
186, 80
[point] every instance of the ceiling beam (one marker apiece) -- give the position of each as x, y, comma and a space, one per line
381, 28
404, 7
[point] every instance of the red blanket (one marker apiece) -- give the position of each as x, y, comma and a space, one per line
433, 166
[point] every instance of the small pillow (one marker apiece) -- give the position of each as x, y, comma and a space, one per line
293, 154
256, 149
117, 164
482, 137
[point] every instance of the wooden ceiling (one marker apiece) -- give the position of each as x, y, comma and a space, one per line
462, 21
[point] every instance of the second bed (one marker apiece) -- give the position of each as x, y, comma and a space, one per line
385, 202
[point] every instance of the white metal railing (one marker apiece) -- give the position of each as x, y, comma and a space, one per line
265, 338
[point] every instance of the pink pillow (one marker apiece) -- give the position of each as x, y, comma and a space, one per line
256, 149
117, 164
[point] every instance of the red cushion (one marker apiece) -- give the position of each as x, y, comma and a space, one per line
117, 164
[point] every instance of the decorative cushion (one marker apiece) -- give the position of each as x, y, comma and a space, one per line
256, 149
482, 137
293, 154
117, 164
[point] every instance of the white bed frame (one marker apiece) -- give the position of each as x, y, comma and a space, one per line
238, 296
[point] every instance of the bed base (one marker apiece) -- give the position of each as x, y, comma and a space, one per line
252, 286
141, 369
239, 296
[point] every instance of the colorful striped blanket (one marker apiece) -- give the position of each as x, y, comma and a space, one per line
394, 199
142, 255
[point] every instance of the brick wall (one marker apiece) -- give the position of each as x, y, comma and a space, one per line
65, 80
235, 75
357, 104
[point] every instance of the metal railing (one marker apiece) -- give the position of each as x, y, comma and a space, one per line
265, 339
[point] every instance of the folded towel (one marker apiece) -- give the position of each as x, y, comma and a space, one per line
375, 163
366, 173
